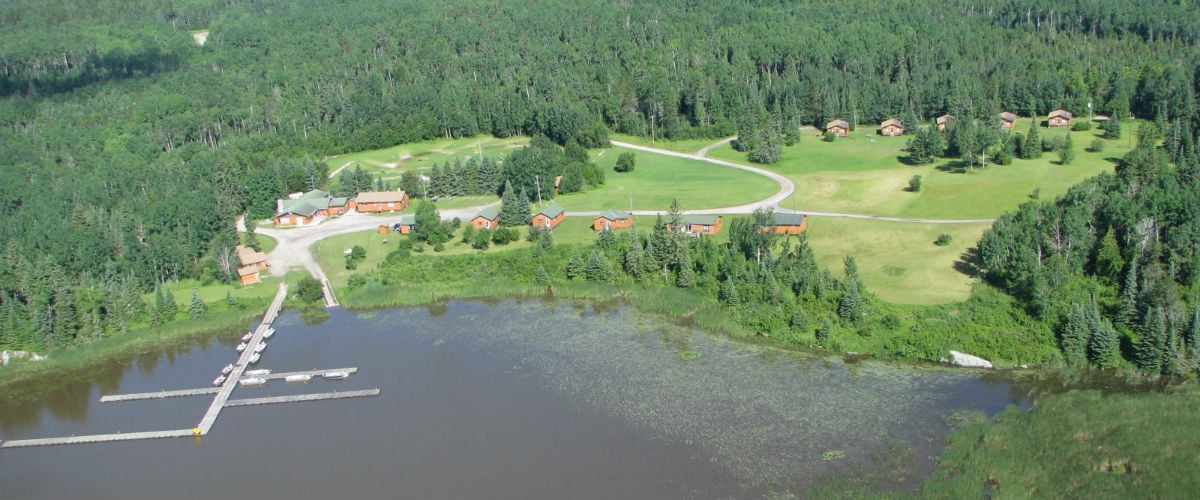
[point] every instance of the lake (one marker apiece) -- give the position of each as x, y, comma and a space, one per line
532, 399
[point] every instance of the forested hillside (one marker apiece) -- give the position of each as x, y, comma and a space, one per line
128, 149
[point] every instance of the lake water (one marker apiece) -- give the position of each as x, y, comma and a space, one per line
510, 400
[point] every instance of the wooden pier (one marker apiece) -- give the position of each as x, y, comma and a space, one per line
112, 398
327, 293
315, 373
303, 397
96, 438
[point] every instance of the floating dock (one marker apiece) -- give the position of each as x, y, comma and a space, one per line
112, 398
303, 397
96, 438
315, 373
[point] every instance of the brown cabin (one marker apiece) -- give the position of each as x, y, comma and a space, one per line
406, 224
305, 208
252, 261
1059, 118
1008, 120
549, 217
249, 276
789, 223
612, 220
381, 201
696, 225
487, 218
891, 128
943, 120
839, 127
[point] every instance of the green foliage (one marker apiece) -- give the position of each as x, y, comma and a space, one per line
481, 239
1066, 155
825, 332
942, 240
1096, 146
572, 178
542, 277
598, 268
1080, 126
575, 266
626, 162
309, 289
1074, 337
427, 224
829, 137
914, 184
1112, 128
197, 309
505, 235
1032, 145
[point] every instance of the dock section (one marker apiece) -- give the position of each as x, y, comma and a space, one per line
315, 373
327, 292
303, 397
96, 438
112, 398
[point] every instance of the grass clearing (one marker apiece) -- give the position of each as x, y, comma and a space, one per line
898, 262
657, 179
683, 146
862, 174
422, 155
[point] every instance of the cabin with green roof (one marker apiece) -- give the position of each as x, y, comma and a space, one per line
788, 223
697, 224
487, 218
549, 217
609, 220
300, 209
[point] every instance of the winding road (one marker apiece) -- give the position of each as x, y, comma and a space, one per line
294, 247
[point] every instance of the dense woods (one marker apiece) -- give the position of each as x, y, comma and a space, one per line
128, 149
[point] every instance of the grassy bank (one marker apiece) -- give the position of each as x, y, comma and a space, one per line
1080, 444
32, 380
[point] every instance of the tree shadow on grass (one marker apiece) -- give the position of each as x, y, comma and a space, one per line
953, 167
969, 262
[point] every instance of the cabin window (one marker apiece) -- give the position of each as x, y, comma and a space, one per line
706, 228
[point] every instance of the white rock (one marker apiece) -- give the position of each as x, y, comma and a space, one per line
968, 361
36, 357
4, 358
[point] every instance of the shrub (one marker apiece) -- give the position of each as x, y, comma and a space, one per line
829, 137
626, 162
1080, 126
309, 289
1096, 146
505, 235
440, 247
942, 240
1051, 144
481, 239
914, 184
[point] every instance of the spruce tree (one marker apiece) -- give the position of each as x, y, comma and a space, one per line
1033, 143
1152, 335
1127, 313
510, 213
252, 237
1112, 128
728, 293
197, 309
597, 268
799, 320
231, 302
541, 277
575, 265
686, 277
634, 257
1104, 346
1075, 336
825, 332
170, 307
1066, 155
850, 306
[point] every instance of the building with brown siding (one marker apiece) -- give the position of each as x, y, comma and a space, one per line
839, 127
1059, 118
381, 201
487, 218
789, 223
891, 128
406, 224
696, 225
1007, 120
943, 121
612, 220
252, 261
549, 217
306, 208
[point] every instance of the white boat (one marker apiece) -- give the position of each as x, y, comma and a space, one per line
260, 347
252, 381
254, 358
303, 377
336, 375
219, 380
226, 370
257, 373
247, 336
270, 332
241, 347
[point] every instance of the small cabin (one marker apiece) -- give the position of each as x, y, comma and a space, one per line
305, 208
609, 220
406, 224
249, 276
789, 223
488, 218
252, 261
1059, 118
838, 127
381, 201
943, 121
1008, 120
549, 217
891, 128
696, 224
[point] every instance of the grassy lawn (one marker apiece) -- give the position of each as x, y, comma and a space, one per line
422, 155
898, 262
684, 146
657, 179
266, 243
863, 174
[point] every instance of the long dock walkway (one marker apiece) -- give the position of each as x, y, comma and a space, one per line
111, 398
303, 397
214, 410
315, 373
96, 438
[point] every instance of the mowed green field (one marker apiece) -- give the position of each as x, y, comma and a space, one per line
898, 261
657, 179
862, 174
684, 146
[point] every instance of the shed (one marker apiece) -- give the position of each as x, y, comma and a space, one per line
943, 121
891, 127
1008, 120
486, 218
789, 223
839, 127
406, 224
549, 217
611, 219
1059, 118
696, 224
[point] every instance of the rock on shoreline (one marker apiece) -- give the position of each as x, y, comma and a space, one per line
967, 361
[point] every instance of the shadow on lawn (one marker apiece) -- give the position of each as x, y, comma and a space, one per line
953, 167
968, 263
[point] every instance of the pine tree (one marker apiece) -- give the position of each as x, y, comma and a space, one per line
728, 293
575, 265
1075, 336
799, 319
509, 212
606, 241
252, 237
1066, 155
230, 301
197, 309
597, 268
850, 306
545, 241
825, 332
1152, 335
1126, 315
1033, 143
686, 277
170, 308
541, 277
1112, 128
634, 257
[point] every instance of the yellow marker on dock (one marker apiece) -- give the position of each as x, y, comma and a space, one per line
196, 431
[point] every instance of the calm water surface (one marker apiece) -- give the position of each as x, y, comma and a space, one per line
511, 400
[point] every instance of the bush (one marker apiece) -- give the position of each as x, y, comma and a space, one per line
1096, 146
505, 235
481, 240
626, 162
440, 247
1051, 144
942, 240
309, 289
1080, 126
914, 184
829, 137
